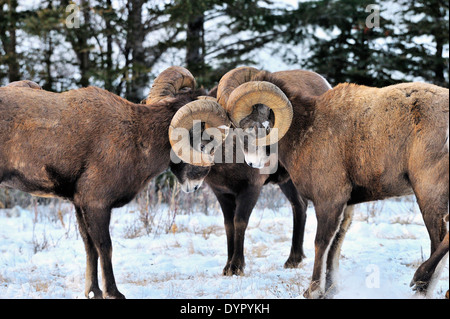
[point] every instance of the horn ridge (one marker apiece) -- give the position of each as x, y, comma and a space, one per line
241, 101
205, 110
169, 82
231, 80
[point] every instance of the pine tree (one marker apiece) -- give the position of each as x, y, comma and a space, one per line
78, 36
342, 40
219, 35
141, 21
423, 37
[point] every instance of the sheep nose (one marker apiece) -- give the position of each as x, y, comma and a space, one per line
195, 188
251, 164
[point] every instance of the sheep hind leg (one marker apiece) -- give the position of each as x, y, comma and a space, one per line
335, 252
425, 272
433, 201
329, 220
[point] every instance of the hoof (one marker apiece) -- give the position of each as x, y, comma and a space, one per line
115, 295
419, 287
94, 294
313, 292
233, 270
291, 263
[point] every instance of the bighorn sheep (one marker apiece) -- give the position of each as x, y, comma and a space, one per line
237, 186
93, 148
350, 145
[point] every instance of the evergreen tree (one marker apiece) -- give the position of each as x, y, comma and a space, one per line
45, 25
423, 35
342, 40
219, 35
143, 35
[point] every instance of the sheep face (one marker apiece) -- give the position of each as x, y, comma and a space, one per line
257, 125
189, 176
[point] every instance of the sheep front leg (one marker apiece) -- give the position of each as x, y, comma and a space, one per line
97, 221
228, 204
299, 207
245, 202
92, 289
329, 220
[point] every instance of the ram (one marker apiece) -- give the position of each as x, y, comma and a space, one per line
237, 186
92, 148
350, 145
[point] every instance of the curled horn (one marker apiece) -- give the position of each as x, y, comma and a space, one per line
242, 99
206, 110
231, 80
169, 83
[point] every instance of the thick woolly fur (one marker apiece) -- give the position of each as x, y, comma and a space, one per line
89, 146
355, 144
237, 186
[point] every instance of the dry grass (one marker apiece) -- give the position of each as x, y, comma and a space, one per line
40, 286
259, 251
289, 287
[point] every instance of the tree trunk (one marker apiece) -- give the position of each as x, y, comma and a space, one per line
195, 52
11, 43
83, 47
109, 50
439, 64
138, 76
78, 38
48, 85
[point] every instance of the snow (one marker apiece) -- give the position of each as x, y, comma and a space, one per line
42, 255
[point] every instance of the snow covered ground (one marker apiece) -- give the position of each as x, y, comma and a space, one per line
42, 255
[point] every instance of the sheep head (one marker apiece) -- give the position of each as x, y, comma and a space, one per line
260, 108
205, 109
171, 81
188, 120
